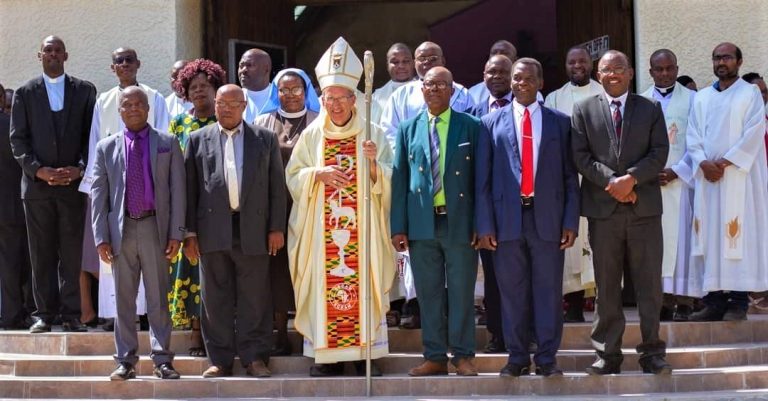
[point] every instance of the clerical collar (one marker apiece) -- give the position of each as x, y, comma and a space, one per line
53, 80
292, 115
665, 91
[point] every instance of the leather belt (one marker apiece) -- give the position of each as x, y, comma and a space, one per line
142, 215
440, 210
526, 202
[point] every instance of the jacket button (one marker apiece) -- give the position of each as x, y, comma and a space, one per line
467, 157
418, 189
458, 173
410, 156
461, 194
421, 169
210, 210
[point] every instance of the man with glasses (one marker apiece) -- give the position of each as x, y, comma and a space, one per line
330, 168
235, 221
408, 101
725, 143
106, 121
620, 145
432, 217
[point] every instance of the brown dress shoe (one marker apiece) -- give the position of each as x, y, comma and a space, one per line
465, 367
257, 368
217, 371
429, 368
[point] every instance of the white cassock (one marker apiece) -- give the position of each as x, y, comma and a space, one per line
408, 101
676, 107
730, 225
382, 95
106, 122
176, 105
578, 272
256, 102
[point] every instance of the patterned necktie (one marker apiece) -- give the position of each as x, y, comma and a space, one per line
135, 178
617, 118
230, 169
499, 103
526, 186
434, 149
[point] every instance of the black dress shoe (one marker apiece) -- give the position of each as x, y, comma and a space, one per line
495, 346
707, 314
656, 365
327, 369
123, 372
109, 325
410, 322
602, 367
548, 370
735, 314
166, 371
40, 326
143, 323
73, 326
360, 369
512, 370
682, 313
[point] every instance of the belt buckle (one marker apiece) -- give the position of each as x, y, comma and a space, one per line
526, 201
440, 210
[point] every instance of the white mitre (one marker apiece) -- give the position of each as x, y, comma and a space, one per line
339, 66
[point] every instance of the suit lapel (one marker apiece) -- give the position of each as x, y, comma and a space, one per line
153, 138
120, 163
606, 111
510, 140
422, 125
250, 148
626, 120
213, 155
69, 93
548, 133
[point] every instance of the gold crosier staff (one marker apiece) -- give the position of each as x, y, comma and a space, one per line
368, 72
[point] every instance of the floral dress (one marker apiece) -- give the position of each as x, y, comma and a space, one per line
184, 298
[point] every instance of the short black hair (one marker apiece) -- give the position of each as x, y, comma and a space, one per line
684, 80
751, 77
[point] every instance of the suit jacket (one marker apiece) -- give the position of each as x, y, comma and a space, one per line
412, 210
263, 195
599, 156
480, 109
498, 174
11, 208
34, 139
108, 189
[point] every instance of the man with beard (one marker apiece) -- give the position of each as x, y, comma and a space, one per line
725, 143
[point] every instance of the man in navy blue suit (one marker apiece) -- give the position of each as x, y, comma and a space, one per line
527, 211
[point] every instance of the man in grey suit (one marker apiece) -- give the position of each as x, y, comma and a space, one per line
236, 201
138, 201
620, 146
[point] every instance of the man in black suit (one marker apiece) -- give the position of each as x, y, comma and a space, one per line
620, 146
50, 120
236, 205
15, 274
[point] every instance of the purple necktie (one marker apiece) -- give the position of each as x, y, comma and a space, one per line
134, 191
499, 103
617, 118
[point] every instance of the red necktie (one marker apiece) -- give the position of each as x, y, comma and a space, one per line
526, 187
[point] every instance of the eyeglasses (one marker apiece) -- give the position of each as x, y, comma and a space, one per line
427, 59
723, 57
231, 104
613, 71
296, 91
123, 59
340, 99
435, 84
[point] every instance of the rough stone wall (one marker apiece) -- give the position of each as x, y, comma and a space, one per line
692, 29
161, 31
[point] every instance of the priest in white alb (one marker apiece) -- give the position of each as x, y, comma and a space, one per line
327, 247
730, 225
578, 272
676, 101
400, 70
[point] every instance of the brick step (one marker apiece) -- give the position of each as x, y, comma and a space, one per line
396, 363
684, 380
575, 336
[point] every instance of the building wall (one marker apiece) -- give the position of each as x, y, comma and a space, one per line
161, 31
692, 29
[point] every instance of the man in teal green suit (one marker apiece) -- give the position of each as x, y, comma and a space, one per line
433, 217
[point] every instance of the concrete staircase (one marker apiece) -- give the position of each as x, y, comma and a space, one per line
707, 357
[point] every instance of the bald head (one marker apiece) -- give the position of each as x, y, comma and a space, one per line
663, 54
427, 56
614, 54
230, 90
134, 108
505, 48
437, 90
497, 75
229, 107
254, 69
52, 55
134, 91
53, 39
